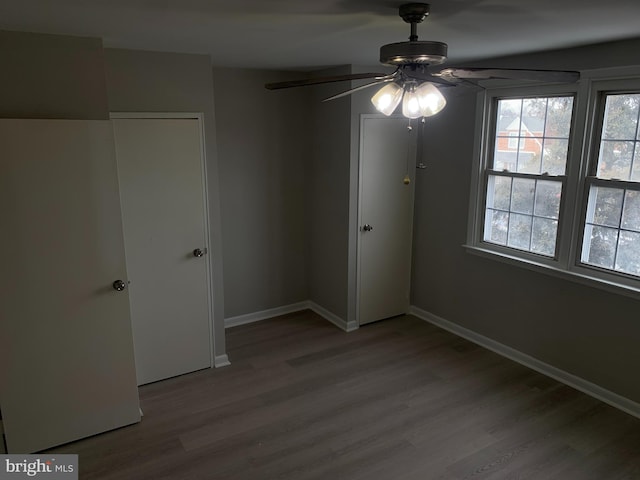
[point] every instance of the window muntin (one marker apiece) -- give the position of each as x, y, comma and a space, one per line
612, 230
522, 213
532, 134
619, 153
524, 181
611, 237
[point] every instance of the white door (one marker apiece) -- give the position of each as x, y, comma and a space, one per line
387, 156
163, 209
66, 351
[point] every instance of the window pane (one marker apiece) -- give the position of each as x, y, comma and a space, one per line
529, 153
530, 220
519, 231
507, 134
534, 113
509, 112
554, 156
619, 156
631, 213
547, 203
505, 157
513, 140
499, 194
621, 117
628, 258
635, 171
615, 159
607, 207
523, 192
559, 117
599, 246
609, 241
496, 225
543, 236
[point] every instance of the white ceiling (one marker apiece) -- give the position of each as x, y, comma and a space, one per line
311, 34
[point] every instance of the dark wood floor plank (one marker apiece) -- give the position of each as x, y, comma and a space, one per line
399, 399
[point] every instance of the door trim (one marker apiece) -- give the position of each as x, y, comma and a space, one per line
412, 154
199, 116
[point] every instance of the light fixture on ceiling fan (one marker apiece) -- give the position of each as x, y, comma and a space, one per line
419, 98
414, 82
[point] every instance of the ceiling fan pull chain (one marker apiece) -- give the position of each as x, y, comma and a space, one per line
407, 180
421, 165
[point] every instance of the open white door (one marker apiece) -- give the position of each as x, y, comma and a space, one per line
387, 155
66, 348
160, 166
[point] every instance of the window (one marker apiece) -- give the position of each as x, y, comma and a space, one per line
525, 183
557, 186
612, 227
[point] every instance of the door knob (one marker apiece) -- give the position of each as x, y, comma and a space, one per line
367, 228
119, 285
198, 253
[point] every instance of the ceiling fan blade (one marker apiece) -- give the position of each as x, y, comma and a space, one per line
561, 76
361, 87
428, 77
316, 81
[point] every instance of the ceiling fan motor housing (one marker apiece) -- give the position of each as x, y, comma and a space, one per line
418, 52
414, 12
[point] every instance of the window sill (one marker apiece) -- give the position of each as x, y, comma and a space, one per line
576, 277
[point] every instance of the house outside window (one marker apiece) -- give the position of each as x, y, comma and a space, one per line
557, 183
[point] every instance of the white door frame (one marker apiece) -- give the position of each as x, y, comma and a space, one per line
199, 116
412, 153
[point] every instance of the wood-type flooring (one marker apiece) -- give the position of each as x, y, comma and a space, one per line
395, 400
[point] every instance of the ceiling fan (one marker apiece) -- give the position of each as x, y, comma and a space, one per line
418, 73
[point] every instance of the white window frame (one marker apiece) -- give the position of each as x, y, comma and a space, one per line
581, 164
596, 104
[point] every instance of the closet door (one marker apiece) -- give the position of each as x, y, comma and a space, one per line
160, 169
387, 154
67, 369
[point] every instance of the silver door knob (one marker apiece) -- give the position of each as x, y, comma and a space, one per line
198, 253
367, 228
119, 285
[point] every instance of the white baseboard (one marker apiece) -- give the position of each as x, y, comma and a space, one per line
221, 361
596, 391
332, 317
264, 314
295, 307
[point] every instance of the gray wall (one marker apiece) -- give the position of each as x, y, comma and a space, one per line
264, 155
284, 159
51, 76
585, 331
140, 81
328, 201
